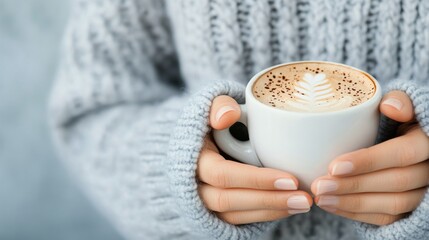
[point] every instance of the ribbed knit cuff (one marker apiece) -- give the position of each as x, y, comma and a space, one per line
416, 225
185, 146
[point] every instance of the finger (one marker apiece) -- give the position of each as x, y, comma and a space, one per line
390, 180
386, 203
225, 200
405, 128
245, 217
224, 112
379, 219
213, 169
402, 151
397, 105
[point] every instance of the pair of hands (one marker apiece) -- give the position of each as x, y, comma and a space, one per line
376, 185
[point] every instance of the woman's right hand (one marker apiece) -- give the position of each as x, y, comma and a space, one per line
239, 193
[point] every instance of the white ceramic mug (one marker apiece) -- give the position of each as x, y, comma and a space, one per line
301, 143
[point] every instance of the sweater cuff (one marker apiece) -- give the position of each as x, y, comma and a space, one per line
184, 149
414, 226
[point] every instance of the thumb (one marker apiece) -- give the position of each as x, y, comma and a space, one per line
397, 105
224, 112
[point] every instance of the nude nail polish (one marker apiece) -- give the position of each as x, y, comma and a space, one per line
285, 184
342, 168
324, 186
393, 102
298, 202
329, 201
222, 112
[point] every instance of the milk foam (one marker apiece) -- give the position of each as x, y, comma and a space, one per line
313, 87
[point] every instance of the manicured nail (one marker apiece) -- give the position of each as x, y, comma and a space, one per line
298, 202
324, 186
285, 184
222, 112
327, 201
394, 103
342, 168
298, 211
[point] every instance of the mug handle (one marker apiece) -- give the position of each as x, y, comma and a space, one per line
240, 150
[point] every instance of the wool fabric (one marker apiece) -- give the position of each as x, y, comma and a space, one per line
130, 106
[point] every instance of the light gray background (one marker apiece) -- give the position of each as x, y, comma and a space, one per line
38, 199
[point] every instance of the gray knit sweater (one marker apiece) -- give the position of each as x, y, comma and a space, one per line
130, 105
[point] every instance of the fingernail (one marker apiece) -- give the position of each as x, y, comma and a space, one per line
298, 202
285, 184
298, 211
342, 168
327, 201
394, 103
324, 186
222, 112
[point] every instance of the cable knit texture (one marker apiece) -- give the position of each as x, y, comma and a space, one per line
131, 102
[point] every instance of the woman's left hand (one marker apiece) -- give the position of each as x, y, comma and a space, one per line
380, 184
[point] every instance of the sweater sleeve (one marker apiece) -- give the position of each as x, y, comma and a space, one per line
128, 130
415, 225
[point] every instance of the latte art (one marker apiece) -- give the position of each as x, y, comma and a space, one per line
313, 87
316, 93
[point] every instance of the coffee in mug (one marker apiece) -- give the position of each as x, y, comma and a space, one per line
302, 115
313, 87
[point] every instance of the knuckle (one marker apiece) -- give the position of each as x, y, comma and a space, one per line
406, 153
369, 164
355, 185
223, 202
401, 182
219, 178
399, 205
258, 183
270, 202
355, 203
